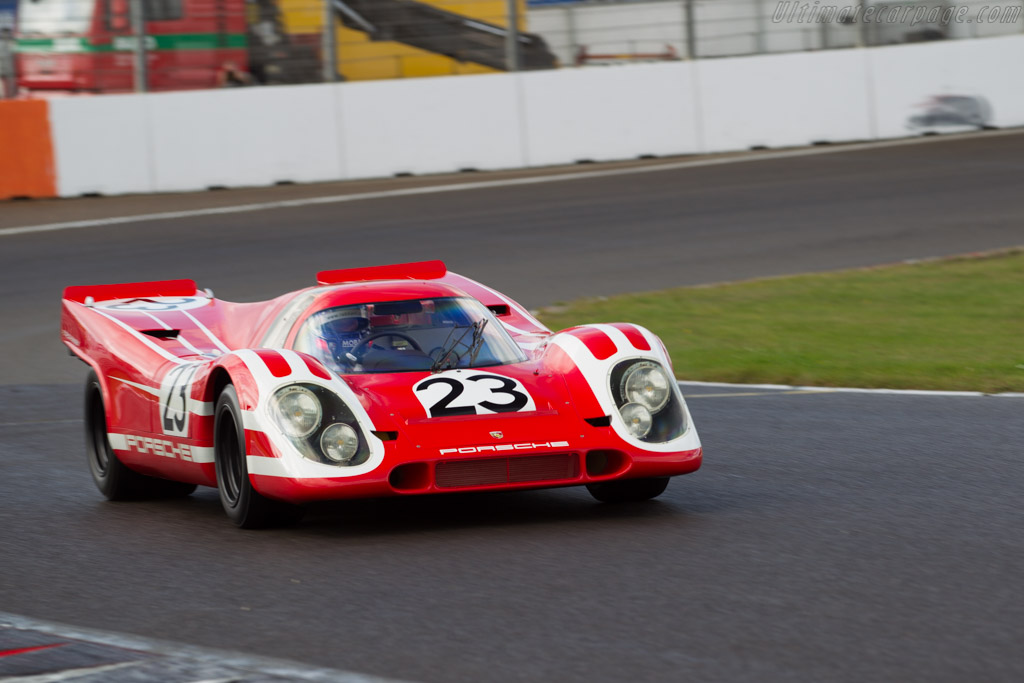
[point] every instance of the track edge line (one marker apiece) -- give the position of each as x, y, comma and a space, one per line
854, 390
164, 648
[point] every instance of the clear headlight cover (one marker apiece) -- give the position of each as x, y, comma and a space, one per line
339, 443
648, 384
296, 410
638, 419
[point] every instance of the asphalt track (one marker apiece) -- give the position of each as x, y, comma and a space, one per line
830, 536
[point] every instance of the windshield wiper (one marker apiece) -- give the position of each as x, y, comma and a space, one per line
448, 349
478, 341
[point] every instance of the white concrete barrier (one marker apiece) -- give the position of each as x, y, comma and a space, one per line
430, 125
615, 112
784, 100
261, 136
909, 82
102, 145
244, 136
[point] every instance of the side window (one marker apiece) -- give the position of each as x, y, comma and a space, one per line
302, 339
277, 334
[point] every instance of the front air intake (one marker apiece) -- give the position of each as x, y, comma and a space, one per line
454, 474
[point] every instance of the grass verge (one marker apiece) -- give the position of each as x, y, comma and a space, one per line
953, 324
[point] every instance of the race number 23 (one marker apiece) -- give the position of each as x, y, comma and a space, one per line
451, 394
175, 391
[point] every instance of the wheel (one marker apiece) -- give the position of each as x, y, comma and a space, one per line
242, 503
628, 490
114, 480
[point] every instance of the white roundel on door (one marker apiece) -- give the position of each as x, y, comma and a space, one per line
472, 392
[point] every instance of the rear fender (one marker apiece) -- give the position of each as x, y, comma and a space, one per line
114, 354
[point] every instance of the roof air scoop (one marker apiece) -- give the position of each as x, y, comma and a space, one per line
419, 270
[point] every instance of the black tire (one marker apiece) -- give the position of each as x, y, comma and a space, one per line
114, 480
242, 503
628, 490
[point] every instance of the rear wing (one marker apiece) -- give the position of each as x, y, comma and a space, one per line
87, 294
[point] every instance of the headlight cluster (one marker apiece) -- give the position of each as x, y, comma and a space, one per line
319, 424
297, 411
645, 400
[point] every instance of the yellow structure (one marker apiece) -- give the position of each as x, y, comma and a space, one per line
363, 59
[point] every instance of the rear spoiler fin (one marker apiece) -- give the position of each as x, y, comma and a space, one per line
130, 290
420, 270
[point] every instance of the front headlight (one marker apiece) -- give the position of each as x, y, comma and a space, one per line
647, 400
339, 442
637, 418
647, 384
319, 425
296, 410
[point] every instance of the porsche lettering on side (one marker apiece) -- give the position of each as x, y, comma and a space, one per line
391, 380
162, 447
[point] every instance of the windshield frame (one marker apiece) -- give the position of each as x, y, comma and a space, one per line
476, 340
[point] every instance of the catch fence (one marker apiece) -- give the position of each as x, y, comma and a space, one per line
99, 46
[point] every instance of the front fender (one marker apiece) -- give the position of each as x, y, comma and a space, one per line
269, 452
586, 356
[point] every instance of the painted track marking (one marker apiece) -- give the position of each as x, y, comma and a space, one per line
691, 397
39, 422
507, 182
26, 650
779, 388
69, 674
240, 666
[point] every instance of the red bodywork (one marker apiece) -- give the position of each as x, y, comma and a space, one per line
164, 351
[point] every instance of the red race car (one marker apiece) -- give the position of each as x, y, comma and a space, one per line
391, 380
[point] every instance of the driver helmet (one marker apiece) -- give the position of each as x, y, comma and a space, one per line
341, 331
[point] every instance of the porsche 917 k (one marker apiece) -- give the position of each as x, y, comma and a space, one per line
390, 380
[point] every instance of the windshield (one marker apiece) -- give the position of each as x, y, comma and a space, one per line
406, 336
54, 17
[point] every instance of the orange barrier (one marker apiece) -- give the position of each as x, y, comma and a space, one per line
26, 150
